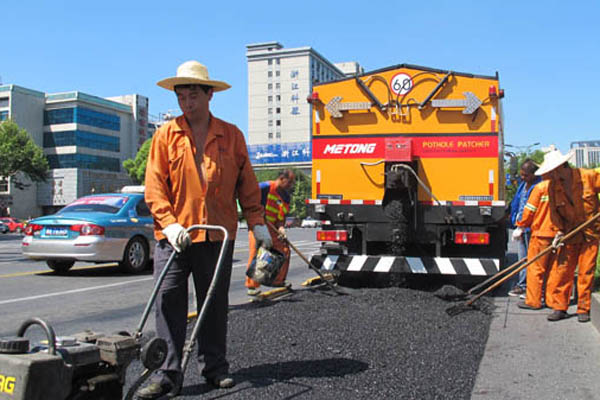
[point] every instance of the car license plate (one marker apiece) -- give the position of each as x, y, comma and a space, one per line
56, 231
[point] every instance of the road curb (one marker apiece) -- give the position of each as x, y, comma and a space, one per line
595, 311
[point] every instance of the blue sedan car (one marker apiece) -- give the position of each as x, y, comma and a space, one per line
98, 228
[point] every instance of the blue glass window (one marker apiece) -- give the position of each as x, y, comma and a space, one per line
83, 139
3, 115
83, 116
85, 161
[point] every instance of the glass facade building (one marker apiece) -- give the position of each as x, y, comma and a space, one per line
85, 139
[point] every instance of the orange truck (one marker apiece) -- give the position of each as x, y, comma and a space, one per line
408, 172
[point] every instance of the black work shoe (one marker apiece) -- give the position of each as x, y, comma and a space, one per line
526, 306
221, 381
583, 317
155, 390
557, 315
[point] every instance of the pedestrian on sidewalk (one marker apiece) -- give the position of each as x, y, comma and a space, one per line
573, 199
536, 216
275, 198
522, 235
197, 166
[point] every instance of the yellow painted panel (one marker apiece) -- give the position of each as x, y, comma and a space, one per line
447, 178
413, 120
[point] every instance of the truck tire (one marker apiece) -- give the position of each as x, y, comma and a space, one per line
60, 266
136, 256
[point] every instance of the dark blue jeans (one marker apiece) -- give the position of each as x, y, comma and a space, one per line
172, 305
522, 246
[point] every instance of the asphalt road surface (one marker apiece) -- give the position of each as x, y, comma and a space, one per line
100, 297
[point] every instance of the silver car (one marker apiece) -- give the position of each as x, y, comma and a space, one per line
98, 228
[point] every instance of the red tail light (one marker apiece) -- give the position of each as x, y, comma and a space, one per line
472, 238
332, 236
88, 229
32, 229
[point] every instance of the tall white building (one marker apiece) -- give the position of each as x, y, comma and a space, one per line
279, 117
85, 139
587, 153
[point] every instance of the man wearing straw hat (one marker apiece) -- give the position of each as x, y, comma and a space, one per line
573, 199
197, 166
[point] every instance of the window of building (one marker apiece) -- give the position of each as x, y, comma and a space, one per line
270, 62
3, 115
270, 86
277, 73
270, 99
270, 111
3, 102
277, 97
277, 85
270, 135
278, 110
83, 139
270, 74
84, 161
278, 122
4, 185
277, 61
270, 123
84, 116
278, 135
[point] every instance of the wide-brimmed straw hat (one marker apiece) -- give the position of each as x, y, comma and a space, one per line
192, 73
553, 159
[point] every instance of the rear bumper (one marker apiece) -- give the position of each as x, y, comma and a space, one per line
89, 248
408, 265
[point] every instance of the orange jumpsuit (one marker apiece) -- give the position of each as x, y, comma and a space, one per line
276, 209
536, 215
582, 249
175, 193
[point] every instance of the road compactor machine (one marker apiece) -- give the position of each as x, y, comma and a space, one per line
408, 173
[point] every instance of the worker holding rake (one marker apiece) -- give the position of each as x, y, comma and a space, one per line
572, 200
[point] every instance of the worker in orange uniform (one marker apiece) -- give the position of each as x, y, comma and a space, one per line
573, 197
536, 215
275, 197
197, 166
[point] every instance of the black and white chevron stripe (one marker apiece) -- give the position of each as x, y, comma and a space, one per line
408, 265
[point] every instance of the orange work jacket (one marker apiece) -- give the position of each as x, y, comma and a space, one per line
536, 213
174, 191
584, 189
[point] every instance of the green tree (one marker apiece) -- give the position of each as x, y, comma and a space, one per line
19, 154
136, 168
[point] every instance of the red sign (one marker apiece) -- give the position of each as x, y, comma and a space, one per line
420, 146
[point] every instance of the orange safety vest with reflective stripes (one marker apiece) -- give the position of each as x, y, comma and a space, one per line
276, 207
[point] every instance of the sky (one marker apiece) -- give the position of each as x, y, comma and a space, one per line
547, 53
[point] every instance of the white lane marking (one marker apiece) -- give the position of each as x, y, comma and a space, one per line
88, 289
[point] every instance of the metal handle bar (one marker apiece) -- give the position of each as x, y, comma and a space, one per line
161, 277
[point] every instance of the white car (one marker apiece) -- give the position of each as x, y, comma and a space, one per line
310, 222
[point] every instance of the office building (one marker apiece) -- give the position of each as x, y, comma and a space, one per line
587, 153
279, 117
85, 139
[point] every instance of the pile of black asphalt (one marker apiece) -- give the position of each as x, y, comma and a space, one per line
384, 343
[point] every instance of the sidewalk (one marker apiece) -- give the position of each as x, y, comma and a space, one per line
528, 357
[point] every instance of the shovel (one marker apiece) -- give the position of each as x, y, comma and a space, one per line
457, 309
332, 286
